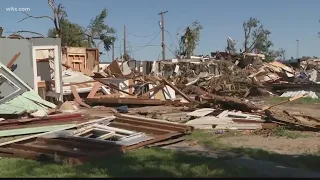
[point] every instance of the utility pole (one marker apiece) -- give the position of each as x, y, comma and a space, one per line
124, 40
162, 29
113, 51
297, 48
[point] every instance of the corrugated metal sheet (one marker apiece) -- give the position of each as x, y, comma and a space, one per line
310, 94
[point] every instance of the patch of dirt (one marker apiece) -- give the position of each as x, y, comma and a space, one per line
281, 145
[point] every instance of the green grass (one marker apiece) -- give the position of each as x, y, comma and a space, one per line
306, 100
281, 131
211, 141
139, 163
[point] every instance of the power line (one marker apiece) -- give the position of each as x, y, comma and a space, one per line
174, 55
140, 46
159, 55
148, 42
147, 45
131, 49
142, 36
172, 35
172, 39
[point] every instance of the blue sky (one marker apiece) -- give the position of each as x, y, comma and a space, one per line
288, 20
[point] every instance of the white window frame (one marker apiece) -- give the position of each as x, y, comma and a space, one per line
57, 68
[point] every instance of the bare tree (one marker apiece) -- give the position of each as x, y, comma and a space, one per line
58, 15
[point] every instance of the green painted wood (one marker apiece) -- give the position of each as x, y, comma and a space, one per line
33, 96
20, 105
27, 102
33, 130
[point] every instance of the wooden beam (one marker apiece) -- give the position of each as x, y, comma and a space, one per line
178, 90
154, 89
113, 86
52, 132
47, 150
13, 60
94, 90
77, 97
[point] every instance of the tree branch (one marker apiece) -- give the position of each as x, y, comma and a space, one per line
100, 43
35, 17
51, 4
30, 32
250, 49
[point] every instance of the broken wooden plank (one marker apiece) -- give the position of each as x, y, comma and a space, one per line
58, 130
288, 119
77, 97
116, 95
78, 83
115, 69
47, 150
178, 90
113, 86
224, 101
94, 90
13, 60
154, 89
32, 130
286, 101
106, 136
237, 126
201, 112
125, 101
83, 132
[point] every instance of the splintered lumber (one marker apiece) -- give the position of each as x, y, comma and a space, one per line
55, 131
94, 90
222, 100
124, 101
286, 101
288, 119
154, 90
178, 90
13, 60
32, 130
113, 86
77, 97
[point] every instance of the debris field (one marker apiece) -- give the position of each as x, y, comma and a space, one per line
53, 110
